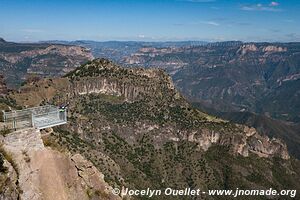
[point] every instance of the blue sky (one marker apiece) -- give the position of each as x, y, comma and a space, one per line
150, 20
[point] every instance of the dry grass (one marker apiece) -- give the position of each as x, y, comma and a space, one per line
43, 90
50, 141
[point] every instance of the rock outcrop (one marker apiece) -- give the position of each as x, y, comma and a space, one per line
247, 48
104, 77
8, 182
242, 143
44, 173
273, 48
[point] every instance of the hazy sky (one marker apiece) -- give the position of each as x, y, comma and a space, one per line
150, 20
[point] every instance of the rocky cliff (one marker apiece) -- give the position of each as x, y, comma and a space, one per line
104, 77
43, 173
18, 60
133, 125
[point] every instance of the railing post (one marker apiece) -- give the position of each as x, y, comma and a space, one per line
65, 115
32, 120
4, 116
58, 113
14, 124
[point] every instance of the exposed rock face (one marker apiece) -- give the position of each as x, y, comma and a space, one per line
91, 177
104, 77
247, 48
8, 184
109, 87
260, 145
242, 143
116, 87
42, 59
272, 48
47, 174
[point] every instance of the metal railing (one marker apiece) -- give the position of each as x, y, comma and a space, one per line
39, 117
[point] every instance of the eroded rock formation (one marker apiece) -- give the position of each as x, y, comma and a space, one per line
43, 173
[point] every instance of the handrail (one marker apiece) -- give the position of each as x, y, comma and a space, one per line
29, 111
43, 116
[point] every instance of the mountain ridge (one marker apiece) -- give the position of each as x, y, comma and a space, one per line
132, 85
154, 128
20, 61
256, 77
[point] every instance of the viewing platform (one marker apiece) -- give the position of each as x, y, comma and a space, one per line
38, 117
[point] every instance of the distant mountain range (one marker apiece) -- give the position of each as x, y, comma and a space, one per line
117, 50
20, 60
243, 82
257, 77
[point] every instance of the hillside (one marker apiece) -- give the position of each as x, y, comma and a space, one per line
137, 129
288, 132
18, 61
233, 76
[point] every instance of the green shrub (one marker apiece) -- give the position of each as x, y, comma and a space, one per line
2, 167
5, 131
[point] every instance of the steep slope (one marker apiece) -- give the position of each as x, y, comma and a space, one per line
18, 60
138, 130
233, 76
43, 173
273, 128
288, 132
